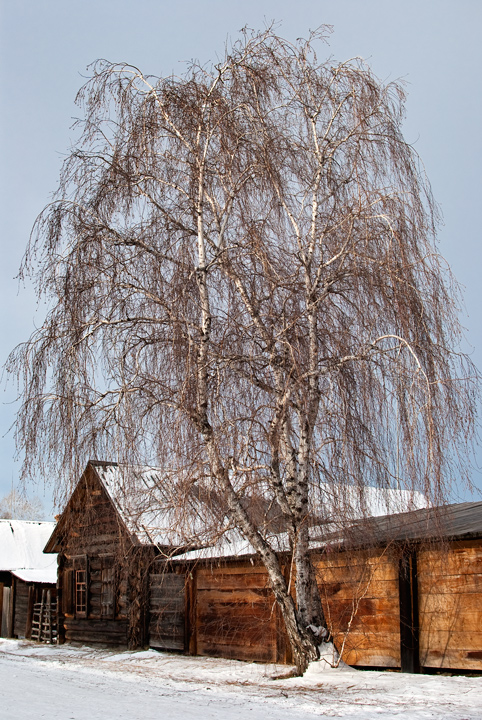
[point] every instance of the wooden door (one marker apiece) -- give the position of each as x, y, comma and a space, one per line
167, 608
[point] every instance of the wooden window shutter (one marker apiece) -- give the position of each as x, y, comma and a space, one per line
108, 587
68, 592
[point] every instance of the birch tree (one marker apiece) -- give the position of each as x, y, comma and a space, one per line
242, 285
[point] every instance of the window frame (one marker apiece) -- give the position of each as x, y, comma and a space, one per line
80, 590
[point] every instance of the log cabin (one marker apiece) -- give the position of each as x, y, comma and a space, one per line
27, 580
116, 522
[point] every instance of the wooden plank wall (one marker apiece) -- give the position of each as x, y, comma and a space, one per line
450, 606
360, 599
235, 615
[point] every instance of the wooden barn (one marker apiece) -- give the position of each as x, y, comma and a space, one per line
396, 596
27, 581
117, 521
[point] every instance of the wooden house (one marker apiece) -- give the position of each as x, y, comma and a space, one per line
117, 521
27, 580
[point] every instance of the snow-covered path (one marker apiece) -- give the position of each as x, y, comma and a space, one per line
66, 683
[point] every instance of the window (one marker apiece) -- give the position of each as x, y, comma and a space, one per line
80, 592
81, 586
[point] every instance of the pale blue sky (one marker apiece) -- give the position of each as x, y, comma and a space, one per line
46, 45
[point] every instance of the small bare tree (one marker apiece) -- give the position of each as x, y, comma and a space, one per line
16, 505
242, 285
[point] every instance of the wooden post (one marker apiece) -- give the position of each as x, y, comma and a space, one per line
409, 620
11, 609
30, 604
49, 616
1, 607
192, 592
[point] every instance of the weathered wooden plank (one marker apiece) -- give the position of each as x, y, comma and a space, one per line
161, 579
355, 560
450, 603
94, 638
453, 584
174, 595
234, 616
390, 642
100, 624
357, 574
387, 589
166, 642
237, 569
373, 624
169, 596
443, 640
254, 596
232, 582
462, 620
165, 624
452, 659
467, 560
376, 656
365, 606
260, 652
163, 605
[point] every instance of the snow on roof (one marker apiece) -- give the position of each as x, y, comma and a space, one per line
21, 550
346, 501
157, 508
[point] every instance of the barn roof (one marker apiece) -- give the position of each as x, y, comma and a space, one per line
21, 550
452, 522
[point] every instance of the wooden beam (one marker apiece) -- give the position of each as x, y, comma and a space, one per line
30, 604
409, 617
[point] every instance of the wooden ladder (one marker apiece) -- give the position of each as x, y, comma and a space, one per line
44, 621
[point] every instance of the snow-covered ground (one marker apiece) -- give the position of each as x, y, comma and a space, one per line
69, 683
